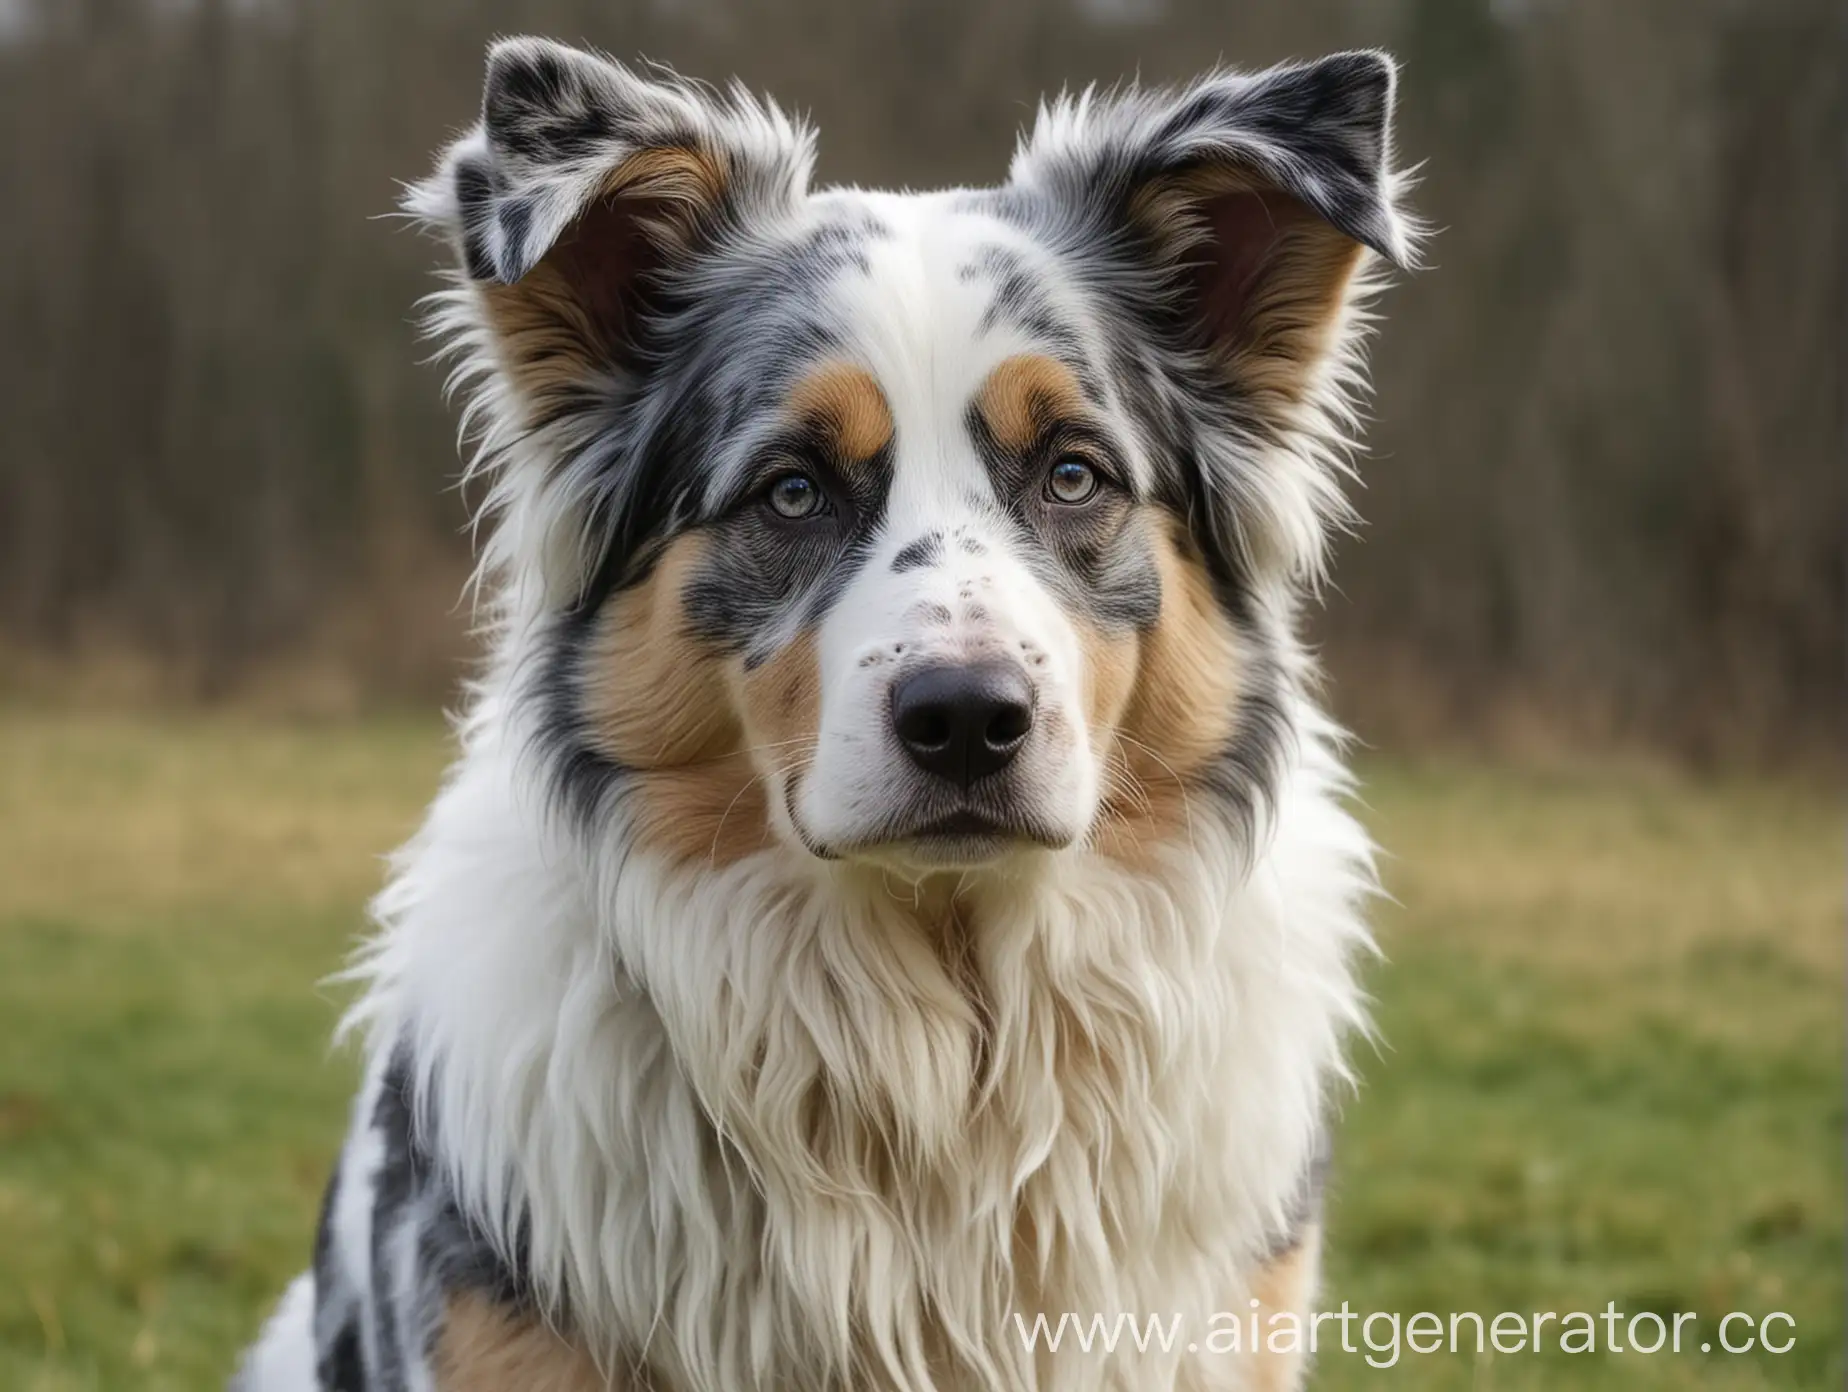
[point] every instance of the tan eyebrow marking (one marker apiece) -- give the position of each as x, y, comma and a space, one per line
1026, 393
848, 403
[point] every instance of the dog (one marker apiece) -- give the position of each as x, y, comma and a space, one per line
896, 881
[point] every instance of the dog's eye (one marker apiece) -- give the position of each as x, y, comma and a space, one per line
795, 496
1071, 481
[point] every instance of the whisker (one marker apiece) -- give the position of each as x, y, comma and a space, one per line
1186, 796
784, 771
712, 856
1121, 780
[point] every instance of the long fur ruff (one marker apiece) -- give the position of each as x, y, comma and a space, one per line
1150, 1081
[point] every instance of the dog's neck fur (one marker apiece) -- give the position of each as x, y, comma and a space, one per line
790, 1120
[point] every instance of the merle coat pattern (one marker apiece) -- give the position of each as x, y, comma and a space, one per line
894, 878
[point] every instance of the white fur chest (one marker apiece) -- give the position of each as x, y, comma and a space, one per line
764, 1123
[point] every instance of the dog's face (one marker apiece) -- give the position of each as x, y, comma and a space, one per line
918, 528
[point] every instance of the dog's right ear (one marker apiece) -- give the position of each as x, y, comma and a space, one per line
583, 182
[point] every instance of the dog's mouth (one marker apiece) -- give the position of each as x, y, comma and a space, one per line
962, 838
961, 826
969, 836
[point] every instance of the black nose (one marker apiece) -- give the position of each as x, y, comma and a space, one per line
963, 723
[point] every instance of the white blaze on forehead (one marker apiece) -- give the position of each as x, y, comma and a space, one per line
924, 319
915, 320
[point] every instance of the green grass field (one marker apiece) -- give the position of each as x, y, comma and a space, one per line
1611, 1068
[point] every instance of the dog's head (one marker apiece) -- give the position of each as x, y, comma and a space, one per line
923, 527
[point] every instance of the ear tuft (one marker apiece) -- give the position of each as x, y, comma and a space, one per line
561, 128
1320, 132
1250, 197
1329, 128
582, 185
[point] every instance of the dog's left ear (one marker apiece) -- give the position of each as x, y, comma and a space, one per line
1259, 194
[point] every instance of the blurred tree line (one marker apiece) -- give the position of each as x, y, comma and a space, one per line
1606, 496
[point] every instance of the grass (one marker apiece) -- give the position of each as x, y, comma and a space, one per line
1611, 1069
